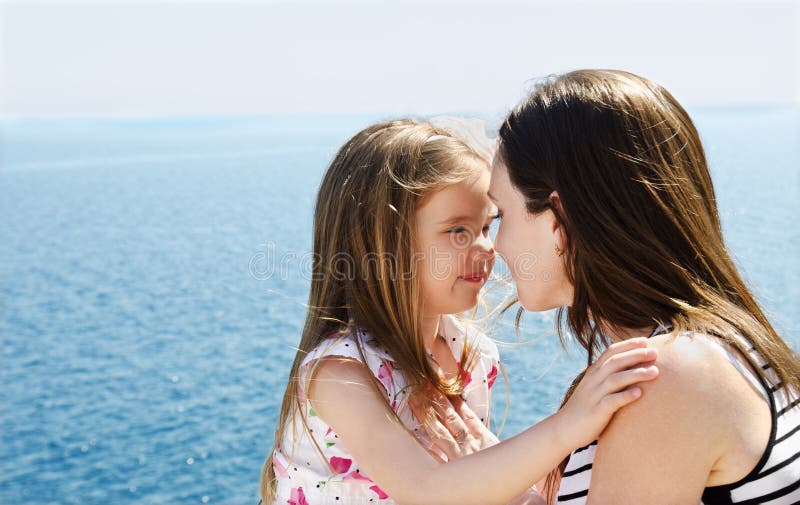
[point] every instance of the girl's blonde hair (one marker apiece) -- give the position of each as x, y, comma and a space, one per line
364, 263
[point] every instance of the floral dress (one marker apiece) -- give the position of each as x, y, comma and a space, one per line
305, 478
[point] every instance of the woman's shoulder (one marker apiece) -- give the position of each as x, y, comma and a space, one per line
700, 418
691, 364
680, 413
697, 389
694, 359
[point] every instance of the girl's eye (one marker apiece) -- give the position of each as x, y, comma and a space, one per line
458, 229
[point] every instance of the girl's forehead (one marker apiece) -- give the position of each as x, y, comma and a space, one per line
465, 197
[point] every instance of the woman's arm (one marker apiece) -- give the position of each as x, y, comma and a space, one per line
342, 396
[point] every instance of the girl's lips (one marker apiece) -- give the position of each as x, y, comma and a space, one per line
475, 277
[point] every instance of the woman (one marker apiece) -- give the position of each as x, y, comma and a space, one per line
601, 177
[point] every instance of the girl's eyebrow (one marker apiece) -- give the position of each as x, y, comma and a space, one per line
457, 219
465, 217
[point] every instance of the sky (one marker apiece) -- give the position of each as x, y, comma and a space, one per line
179, 58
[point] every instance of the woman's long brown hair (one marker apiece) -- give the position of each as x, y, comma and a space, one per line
644, 244
364, 262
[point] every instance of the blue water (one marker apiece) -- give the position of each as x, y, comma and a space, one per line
146, 342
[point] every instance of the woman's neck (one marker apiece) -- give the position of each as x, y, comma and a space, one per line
618, 334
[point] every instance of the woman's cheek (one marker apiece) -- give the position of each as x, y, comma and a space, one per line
504, 244
499, 241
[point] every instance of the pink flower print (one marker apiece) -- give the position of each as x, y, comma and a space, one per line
340, 465
297, 497
356, 476
492, 375
385, 375
330, 438
381, 494
280, 470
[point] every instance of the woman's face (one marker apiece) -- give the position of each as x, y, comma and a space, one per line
454, 251
527, 243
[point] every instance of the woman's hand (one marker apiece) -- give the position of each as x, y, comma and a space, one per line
607, 385
457, 430
530, 497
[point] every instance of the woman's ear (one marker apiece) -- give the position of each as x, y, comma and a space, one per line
560, 239
557, 228
555, 200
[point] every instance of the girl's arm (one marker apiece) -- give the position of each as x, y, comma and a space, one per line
455, 420
343, 398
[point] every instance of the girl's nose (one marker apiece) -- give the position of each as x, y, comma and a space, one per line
485, 246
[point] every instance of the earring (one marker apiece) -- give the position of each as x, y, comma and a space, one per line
559, 252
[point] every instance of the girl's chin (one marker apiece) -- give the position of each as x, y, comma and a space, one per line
458, 308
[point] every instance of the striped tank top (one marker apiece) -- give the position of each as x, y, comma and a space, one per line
775, 480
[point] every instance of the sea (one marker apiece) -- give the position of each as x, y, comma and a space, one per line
153, 275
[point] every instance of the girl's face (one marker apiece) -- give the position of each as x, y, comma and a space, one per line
455, 254
527, 243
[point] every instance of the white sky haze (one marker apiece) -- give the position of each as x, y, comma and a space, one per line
231, 58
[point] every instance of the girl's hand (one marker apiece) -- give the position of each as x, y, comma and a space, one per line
607, 385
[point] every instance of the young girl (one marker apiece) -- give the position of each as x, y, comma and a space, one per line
400, 244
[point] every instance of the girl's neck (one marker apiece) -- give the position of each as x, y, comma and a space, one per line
430, 329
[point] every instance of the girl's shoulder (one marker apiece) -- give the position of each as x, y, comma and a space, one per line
353, 345
346, 344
